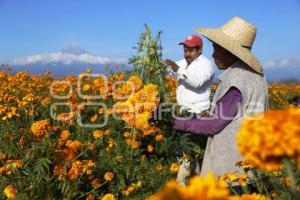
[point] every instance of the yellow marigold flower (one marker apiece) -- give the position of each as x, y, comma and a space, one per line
108, 176
41, 127
170, 191
206, 187
266, 139
98, 134
18, 164
136, 82
10, 192
150, 148
109, 196
174, 167
86, 87
253, 196
234, 178
142, 120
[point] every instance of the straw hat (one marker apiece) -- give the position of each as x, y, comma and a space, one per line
236, 36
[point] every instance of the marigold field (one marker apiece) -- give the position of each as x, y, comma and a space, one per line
109, 137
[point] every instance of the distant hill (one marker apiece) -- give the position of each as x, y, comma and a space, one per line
73, 60
69, 61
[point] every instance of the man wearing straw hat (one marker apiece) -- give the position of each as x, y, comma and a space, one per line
241, 91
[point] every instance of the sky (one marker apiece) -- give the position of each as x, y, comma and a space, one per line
111, 28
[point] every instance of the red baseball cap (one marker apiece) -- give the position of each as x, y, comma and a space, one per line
192, 41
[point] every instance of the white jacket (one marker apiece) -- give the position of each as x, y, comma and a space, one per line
193, 91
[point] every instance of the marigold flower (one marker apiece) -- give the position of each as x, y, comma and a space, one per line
75, 145
159, 138
90, 197
206, 187
95, 183
150, 148
108, 176
86, 87
98, 134
10, 192
64, 135
109, 196
126, 134
136, 82
2, 155
174, 167
266, 139
94, 118
253, 196
41, 127
66, 117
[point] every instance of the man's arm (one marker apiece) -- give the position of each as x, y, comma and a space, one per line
198, 75
225, 110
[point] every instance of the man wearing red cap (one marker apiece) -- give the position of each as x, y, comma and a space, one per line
194, 74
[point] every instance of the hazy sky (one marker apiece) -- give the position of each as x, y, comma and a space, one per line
111, 28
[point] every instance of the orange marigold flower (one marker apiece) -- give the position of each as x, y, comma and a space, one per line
159, 138
108, 176
126, 134
94, 118
66, 117
90, 197
2, 155
95, 183
74, 145
98, 134
10, 192
64, 135
265, 139
133, 143
41, 127
18, 164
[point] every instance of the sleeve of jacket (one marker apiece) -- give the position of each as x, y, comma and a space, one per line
198, 75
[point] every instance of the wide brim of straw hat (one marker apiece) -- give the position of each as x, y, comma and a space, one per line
217, 36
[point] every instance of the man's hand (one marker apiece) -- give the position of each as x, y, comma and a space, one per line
172, 65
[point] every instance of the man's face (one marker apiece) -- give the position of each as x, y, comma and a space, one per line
222, 57
191, 53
